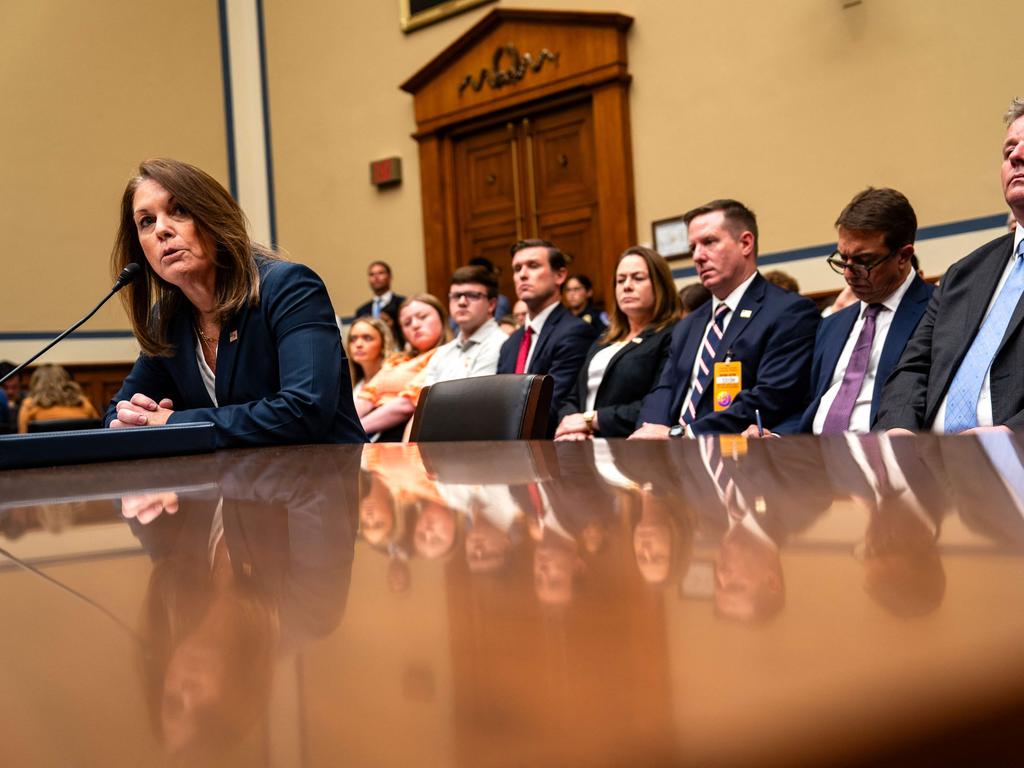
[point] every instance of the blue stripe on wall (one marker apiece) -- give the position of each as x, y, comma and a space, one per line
271, 208
814, 251
229, 110
47, 335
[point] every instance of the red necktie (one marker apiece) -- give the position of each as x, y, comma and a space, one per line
524, 350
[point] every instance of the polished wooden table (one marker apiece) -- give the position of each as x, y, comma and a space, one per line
801, 601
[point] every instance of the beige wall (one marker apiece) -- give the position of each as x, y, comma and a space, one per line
88, 90
791, 107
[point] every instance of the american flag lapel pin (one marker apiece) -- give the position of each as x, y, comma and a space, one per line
233, 336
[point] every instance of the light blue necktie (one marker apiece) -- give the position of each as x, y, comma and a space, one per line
376, 307
962, 399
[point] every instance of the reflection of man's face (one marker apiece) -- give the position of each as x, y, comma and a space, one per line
554, 562
486, 547
377, 513
902, 567
748, 577
435, 530
652, 545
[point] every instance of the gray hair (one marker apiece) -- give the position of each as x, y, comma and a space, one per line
1015, 111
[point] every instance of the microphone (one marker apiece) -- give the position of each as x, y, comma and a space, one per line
128, 274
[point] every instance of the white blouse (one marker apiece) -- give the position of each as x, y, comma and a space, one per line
595, 371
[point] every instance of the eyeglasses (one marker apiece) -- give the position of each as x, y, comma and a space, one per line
469, 296
839, 265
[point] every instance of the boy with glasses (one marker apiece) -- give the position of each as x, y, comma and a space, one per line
472, 296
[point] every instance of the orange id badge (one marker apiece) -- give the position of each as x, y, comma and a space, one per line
728, 383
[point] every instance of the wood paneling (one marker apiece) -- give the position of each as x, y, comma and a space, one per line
546, 155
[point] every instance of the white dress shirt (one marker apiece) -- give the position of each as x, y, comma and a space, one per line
984, 412
537, 324
860, 419
465, 358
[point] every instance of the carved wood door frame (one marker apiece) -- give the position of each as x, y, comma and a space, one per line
520, 62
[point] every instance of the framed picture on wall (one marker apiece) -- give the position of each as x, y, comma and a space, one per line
670, 237
419, 13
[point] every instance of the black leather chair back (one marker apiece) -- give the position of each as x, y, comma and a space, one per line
501, 407
64, 425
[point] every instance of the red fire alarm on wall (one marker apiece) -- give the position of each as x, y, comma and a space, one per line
384, 173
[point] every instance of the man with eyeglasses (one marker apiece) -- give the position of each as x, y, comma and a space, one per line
857, 348
961, 370
472, 295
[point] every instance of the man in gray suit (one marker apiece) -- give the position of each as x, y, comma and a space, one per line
961, 370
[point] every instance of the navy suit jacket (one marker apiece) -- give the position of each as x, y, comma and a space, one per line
835, 330
282, 376
558, 351
771, 333
934, 353
630, 374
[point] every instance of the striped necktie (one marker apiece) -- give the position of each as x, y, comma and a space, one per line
962, 399
705, 363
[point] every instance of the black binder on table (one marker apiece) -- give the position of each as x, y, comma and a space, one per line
54, 449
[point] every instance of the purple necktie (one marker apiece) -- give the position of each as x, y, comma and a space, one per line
838, 418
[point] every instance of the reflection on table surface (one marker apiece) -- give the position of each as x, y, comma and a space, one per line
815, 601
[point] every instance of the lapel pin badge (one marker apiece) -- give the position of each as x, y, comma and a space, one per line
233, 336
745, 313
637, 340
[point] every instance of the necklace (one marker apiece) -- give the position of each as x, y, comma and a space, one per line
210, 342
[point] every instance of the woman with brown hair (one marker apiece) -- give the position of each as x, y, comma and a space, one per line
53, 395
230, 333
388, 400
626, 361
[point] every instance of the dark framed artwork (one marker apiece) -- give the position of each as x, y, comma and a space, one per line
670, 238
419, 13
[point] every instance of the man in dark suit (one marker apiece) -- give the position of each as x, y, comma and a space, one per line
961, 369
551, 341
857, 348
752, 337
384, 302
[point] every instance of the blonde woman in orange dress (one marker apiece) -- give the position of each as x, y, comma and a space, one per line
370, 342
388, 400
53, 395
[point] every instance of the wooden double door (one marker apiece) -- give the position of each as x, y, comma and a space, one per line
532, 175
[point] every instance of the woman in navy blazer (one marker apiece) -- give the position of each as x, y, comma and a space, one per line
625, 362
230, 333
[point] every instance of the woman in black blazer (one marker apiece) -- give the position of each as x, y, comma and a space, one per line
625, 362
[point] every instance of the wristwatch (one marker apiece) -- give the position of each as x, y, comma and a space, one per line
588, 419
677, 431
